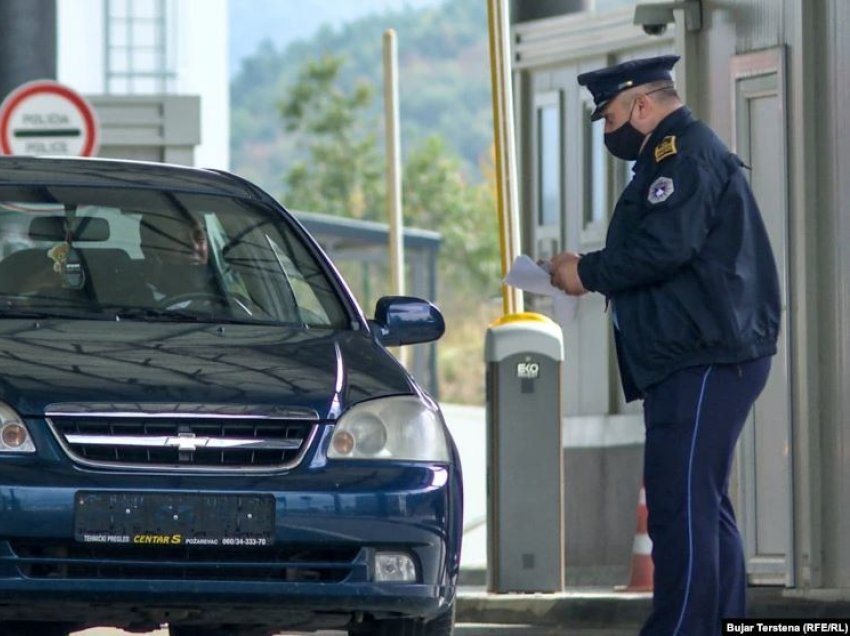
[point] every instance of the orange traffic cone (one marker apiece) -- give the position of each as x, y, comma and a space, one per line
642, 569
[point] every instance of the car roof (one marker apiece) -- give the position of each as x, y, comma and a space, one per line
120, 173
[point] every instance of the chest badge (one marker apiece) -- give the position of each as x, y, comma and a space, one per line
660, 190
666, 148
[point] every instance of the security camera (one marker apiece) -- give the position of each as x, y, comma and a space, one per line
654, 18
654, 29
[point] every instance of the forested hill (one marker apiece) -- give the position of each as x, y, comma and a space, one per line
444, 85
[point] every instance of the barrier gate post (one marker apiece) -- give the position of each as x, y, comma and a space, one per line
525, 521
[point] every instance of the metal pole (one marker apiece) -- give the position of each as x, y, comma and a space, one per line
503, 128
393, 145
393, 150
27, 42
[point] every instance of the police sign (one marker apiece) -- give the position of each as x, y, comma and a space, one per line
44, 117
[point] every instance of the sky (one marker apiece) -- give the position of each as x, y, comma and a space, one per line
283, 21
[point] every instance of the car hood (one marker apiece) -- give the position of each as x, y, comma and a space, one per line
58, 362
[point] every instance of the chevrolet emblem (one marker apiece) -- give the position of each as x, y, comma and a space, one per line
187, 442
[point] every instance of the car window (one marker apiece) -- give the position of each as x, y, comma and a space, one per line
147, 255
309, 305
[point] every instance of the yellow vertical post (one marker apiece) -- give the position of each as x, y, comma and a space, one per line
503, 128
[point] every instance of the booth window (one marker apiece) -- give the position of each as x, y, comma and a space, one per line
139, 59
549, 187
595, 177
550, 162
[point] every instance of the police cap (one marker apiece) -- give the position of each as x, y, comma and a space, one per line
606, 83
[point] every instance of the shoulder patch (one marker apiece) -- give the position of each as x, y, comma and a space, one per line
660, 190
666, 148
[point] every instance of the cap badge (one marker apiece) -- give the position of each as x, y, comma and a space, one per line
665, 148
660, 190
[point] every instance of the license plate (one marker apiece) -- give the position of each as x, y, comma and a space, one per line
170, 519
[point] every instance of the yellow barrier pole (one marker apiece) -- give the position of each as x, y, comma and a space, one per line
503, 128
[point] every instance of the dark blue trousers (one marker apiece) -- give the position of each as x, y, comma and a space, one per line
693, 420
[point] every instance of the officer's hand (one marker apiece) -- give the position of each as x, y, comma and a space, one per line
564, 268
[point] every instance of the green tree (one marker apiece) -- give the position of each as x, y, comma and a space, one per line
342, 172
444, 85
437, 195
343, 175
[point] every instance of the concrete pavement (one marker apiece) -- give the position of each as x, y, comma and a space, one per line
460, 630
609, 610
587, 612
590, 608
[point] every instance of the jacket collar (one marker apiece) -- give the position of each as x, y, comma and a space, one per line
677, 120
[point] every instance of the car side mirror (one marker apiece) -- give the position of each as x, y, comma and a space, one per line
402, 320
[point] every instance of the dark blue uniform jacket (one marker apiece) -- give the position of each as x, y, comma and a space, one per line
687, 264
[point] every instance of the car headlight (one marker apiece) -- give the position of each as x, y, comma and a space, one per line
400, 428
14, 436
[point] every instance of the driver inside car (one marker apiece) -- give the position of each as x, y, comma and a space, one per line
177, 260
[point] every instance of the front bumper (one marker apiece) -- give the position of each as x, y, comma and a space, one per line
329, 521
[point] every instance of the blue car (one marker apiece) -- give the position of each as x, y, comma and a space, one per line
198, 425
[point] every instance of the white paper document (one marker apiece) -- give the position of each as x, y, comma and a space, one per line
527, 275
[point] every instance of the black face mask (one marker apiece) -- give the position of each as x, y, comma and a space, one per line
625, 142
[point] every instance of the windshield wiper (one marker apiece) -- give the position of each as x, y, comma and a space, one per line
154, 314
11, 310
32, 313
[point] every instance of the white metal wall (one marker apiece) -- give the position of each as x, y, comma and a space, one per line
764, 466
816, 38
813, 459
833, 114
603, 437
202, 67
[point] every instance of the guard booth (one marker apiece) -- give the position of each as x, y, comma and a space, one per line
569, 185
525, 522
162, 128
755, 71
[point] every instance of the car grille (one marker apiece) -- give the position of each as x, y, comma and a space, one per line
183, 443
70, 560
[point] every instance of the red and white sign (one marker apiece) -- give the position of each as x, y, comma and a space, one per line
44, 117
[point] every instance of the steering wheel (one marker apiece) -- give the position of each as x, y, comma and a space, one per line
205, 297
208, 299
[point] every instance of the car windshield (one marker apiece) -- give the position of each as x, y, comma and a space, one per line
134, 254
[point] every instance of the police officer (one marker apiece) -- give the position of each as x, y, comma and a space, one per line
693, 292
